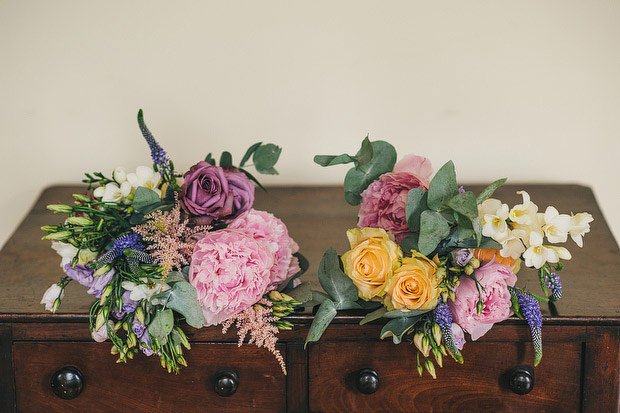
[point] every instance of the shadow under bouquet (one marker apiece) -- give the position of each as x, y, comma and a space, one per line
159, 250
434, 260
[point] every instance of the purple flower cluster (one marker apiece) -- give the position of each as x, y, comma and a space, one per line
443, 317
530, 310
159, 156
461, 257
555, 285
131, 241
84, 275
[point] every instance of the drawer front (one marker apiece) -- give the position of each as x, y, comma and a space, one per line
142, 385
479, 384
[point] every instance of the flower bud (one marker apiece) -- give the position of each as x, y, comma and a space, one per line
139, 314
420, 369
430, 367
444, 296
100, 321
452, 295
114, 350
106, 291
73, 242
437, 333
102, 270
182, 361
162, 361
119, 174
125, 326
49, 228
82, 197
117, 326
184, 339
440, 272
131, 339
278, 314
130, 355
479, 307
461, 256
443, 350
56, 305
287, 297
469, 270
57, 236
60, 208
417, 340
438, 357
275, 296
475, 262
426, 346
80, 221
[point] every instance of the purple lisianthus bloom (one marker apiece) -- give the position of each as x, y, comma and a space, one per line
211, 192
138, 328
100, 282
461, 257
146, 339
101, 335
81, 274
129, 306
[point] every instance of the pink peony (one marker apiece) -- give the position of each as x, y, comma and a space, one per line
494, 278
383, 203
231, 271
419, 166
269, 230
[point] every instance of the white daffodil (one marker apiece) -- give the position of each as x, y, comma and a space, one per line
524, 213
556, 225
119, 175
144, 291
146, 177
494, 224
579, 226
512, 246
66, 251
538, 254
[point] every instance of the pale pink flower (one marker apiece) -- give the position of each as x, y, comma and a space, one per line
495, 279
231, 271
269, 230
419, 166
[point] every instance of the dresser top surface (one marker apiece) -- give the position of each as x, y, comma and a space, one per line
317, 218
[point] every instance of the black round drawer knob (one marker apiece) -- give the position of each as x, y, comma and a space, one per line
521, 379
226, 382
367, 381
67, 383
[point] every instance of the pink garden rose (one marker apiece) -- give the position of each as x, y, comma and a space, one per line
383, 203
211, 192
419, 166
231, 271
495, 278
269, 230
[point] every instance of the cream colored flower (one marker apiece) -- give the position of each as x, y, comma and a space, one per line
494, 215
524, 213
513, 246
145, 177
556, 225
579, 226
538, 254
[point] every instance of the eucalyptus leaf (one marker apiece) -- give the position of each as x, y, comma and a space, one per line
464, 204
144, 199
398, 327
322, 319
209, 159
488, 191
301, 293
375, 315
476, 224
405, 314
183, 299
249, 153
330, 160
442, 187
416, 204
335, 282
433, 229
161, 325
226, 160
365, 154
265, 157
410, 243
175, 276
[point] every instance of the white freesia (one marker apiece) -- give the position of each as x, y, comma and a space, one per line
512, 246
119, 175
494, 223
144, 291
556, 225
538, 254
145, 177
98, 192
113, 193
524, 213
579, 226
51, 294
489, 207
66, 251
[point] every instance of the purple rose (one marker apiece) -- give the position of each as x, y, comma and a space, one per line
100, 282
212, 192
81, 274
461, 257
129, 306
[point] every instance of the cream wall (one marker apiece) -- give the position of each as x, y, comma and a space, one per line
524, 89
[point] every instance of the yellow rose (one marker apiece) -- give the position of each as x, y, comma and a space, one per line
371, 260
413, 285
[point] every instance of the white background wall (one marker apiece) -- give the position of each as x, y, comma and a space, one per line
524, 89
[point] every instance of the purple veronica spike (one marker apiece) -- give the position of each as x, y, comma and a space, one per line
555, 285
443, 317
129, 241
159, 156
530, 310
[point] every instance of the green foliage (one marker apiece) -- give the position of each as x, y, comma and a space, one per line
488, 191
374, 315
416, 204
433, 229
322, 319
331, 160
301, 293
161, 325
265, 157
358, 178
249, 153
442, 187
226, 160
335, 282
398, 327
145, 200
464, 204
182, 299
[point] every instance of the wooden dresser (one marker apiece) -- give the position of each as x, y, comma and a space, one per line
581, 336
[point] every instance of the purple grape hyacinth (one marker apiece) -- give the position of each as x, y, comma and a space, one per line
530, 310
555, 285
443, 317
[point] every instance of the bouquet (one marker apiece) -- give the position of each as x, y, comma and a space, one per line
435, 260
159, 250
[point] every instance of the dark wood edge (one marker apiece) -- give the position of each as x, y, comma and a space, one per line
7, 378
602, 370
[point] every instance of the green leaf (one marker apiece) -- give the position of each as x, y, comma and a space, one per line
322, 319
145, 199
175, 276
209, 159
433, 229
476, 225
442, 186
410, 243
365, 154
265, 157
488, 191
330, 160
249, 153
416, 203
358, 179
161, 325
226, 160
335, 282
375, 315
464, 204
183, 300
406, 314
302, 293
489, 244
398, 327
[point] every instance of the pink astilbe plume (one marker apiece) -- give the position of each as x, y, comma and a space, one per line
257, 320
171, 238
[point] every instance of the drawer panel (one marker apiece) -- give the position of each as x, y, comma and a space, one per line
142, 385
479, 384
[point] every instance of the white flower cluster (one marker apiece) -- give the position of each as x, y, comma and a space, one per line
125, 185
521, 230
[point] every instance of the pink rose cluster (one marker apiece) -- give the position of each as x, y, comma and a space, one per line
384, 201
233, 268
494, 280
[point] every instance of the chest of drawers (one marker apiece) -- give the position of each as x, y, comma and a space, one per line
581, 337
